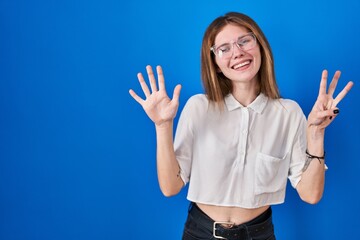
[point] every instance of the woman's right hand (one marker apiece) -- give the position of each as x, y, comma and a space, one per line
157, 105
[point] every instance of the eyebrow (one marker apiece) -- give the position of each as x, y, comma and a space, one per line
219, 45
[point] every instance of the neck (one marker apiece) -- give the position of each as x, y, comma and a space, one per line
245, 94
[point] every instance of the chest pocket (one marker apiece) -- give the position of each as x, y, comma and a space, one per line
271, 174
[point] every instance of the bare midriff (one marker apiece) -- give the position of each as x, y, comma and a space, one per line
233, 215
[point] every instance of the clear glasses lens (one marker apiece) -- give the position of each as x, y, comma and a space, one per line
245, 43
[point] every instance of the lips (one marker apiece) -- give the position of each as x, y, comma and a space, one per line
241, 64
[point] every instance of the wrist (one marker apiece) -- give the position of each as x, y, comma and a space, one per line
164, 125
315, 140
315, 133
310, 157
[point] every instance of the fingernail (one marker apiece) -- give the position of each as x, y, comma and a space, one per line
336, 111
330, 117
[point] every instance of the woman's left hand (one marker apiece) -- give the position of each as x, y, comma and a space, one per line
324, 110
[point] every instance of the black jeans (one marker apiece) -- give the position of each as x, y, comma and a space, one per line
199, 226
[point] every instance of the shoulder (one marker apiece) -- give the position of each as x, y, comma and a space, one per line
197, 102
288, 108
195, 107
198, 99
288, 105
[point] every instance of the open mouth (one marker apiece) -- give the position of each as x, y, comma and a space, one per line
241, 65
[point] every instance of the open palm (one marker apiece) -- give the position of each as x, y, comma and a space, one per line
325, 108
157, 105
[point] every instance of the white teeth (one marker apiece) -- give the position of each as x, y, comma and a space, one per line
241, 64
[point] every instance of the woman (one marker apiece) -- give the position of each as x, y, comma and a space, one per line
237, 144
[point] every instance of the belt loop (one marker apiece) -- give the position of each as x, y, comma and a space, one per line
191, 205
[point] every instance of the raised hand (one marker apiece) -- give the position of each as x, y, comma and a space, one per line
324, 110
157, 105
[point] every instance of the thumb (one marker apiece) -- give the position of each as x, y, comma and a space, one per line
176, 93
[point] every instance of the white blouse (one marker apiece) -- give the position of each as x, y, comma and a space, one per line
241, 156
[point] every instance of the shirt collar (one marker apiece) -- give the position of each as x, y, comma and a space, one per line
257, 105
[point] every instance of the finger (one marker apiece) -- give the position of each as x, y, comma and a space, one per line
333, 83
330, 104
322, 103
343, 93
176, 93
323, 82
151, 78
328, 120
327, 113
322, 114
160, 78
136, 97
143, 85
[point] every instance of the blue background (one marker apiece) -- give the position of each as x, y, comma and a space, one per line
77, 153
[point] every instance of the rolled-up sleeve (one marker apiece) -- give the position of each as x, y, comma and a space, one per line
183, 143
298, 155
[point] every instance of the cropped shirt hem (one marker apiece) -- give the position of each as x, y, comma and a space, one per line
247, 206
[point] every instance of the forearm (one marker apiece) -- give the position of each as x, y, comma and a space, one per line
167, 166
311, 186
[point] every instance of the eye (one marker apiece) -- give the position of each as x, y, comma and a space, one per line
224, 48
244, 40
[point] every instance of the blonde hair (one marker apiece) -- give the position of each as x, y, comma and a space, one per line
216, 85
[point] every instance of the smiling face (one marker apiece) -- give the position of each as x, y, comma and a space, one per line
242, 66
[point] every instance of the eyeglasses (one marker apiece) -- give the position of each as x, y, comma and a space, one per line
226, 50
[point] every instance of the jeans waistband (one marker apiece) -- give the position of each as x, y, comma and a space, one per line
252, 229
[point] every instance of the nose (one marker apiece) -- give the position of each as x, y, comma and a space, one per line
237, 51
